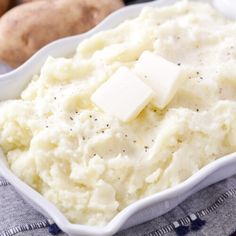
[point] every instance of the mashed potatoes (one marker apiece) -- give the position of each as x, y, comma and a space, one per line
91, 165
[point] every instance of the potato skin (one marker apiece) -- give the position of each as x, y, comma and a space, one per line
28, 27
4, 4
26, 1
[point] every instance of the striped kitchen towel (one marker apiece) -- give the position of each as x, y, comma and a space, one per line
210, 212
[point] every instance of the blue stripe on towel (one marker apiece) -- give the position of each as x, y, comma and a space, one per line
25, 227
3, 182
185, 224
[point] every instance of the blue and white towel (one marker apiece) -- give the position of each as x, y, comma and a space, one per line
210, 212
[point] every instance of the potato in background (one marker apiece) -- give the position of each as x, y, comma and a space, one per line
26, 1
4, 5
28, 27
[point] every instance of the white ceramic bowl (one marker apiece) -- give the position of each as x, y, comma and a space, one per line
11, 85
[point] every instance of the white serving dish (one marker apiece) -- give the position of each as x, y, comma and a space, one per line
11, 85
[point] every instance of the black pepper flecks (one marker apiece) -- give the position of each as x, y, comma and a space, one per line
179, 64
179, 140
146, 148
71, 118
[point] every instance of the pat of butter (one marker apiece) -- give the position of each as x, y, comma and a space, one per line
123, 95
163, 76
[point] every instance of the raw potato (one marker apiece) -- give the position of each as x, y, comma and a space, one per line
28, 27
4, 4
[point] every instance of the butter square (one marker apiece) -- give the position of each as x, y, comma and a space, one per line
124, 95
163, 76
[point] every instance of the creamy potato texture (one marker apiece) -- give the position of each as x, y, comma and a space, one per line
91, 165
